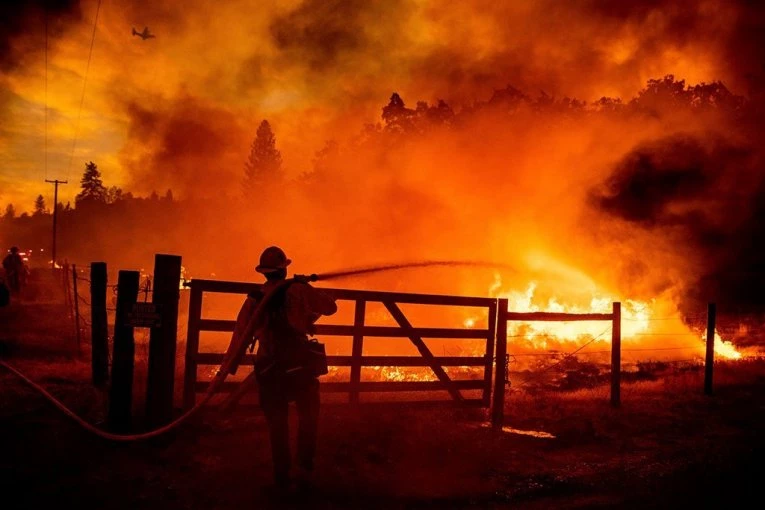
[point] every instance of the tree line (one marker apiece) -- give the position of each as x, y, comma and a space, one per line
263, 167
263, 173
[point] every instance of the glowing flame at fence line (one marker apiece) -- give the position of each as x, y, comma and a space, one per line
638, 327
641, 321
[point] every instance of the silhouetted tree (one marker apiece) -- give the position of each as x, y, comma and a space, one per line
40, 206
169, 195
508, 99
715, 95
441, 113
10, 212
397, 116
113, 194
662, 95
93, 189
325, 162
609, 104
264, 165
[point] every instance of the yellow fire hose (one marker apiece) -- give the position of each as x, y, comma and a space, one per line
235, 351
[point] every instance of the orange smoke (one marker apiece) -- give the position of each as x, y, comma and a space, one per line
552, 152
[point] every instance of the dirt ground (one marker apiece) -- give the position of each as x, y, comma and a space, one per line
668, 446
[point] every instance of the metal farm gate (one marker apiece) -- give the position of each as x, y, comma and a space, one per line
358, 331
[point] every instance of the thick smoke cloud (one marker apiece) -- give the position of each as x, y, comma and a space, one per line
317, 33
654, 177
22, 27
706, 193
183, 144
320, 69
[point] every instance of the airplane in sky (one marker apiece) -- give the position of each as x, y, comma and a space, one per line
143, 35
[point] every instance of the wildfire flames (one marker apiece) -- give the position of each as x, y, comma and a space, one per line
622, 140
640, 319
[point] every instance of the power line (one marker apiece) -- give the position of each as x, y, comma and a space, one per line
84, 85
45, 11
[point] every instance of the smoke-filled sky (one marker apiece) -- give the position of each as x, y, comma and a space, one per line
169, 111
663, 202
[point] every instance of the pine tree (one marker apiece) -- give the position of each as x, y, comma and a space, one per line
264, 166
40, 206
10, 212
93, 189
397, 116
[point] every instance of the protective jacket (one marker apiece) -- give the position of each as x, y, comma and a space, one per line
15, 271
13, 264
289, 320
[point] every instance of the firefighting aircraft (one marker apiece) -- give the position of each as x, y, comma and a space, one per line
143, 35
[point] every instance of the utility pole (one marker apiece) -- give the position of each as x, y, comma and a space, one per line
55, 182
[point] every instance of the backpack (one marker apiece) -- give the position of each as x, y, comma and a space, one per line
294, 354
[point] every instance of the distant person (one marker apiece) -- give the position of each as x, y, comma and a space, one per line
289, 318
15, 270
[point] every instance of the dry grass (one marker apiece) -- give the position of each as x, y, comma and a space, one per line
399, 458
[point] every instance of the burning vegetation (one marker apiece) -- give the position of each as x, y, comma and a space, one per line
618, 159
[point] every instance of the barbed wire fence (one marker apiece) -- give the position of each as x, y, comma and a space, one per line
558, 370
80, 308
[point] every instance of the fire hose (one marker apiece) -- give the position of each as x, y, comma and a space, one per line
236, 349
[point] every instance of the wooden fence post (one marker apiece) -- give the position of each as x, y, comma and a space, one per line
123, 352
356, 350
490, 340
498, 408
710, 358
192, 347
162, 340
616, 356
76, 300
99, 328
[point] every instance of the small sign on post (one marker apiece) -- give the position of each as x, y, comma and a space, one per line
145, 315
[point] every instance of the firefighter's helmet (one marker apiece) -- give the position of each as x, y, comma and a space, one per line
272, 259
